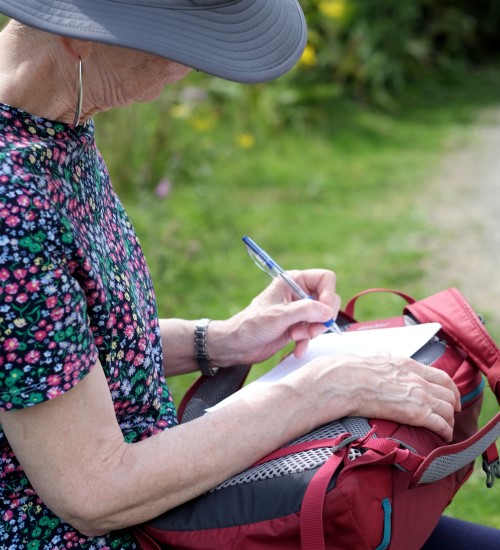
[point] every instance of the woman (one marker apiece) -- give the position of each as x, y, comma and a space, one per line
90, 442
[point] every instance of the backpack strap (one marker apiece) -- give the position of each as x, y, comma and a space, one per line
207, 391
464, 328
448, 459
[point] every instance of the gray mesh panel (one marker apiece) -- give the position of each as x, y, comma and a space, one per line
445, 465
305, 460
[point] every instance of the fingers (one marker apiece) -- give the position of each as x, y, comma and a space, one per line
320, 284
433, 399
442, 384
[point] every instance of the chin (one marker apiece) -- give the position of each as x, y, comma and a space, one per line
149, 95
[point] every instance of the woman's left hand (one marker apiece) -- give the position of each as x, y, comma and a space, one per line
275, 318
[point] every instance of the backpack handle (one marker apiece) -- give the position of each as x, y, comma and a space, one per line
349, 308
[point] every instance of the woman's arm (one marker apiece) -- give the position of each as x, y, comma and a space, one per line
75, 456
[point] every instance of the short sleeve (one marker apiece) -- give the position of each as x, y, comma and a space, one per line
46, 344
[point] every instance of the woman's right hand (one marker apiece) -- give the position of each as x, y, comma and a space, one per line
391, 388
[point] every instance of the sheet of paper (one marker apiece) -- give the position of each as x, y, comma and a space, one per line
398, 341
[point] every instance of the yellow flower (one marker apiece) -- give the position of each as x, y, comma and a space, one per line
245, 141
20, 323
308, 58
335, 9
180, 111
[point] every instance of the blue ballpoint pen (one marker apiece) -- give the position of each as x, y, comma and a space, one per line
267, 264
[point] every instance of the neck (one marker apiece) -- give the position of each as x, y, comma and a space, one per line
33, 77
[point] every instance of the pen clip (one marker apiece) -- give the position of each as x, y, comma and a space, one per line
262, 259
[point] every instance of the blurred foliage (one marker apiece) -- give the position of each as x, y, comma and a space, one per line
374, 50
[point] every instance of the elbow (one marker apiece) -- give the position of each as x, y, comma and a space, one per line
89, 523
88, 513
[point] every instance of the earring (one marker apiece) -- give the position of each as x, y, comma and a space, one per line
79, 90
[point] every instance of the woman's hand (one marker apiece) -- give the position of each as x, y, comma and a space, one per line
275, 318
391, 388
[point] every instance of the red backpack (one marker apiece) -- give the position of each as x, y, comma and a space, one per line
355, 483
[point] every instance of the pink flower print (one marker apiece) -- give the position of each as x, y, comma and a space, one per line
57, 314
98, 340
51, 302
4, 275
12, 221
54, 380
23, 200
139, 359
37, 202
129, 331
20, 274
111, 321
40, 335
130, 355
33, 286
54, 392
11, 344
8, 515
12, 288
22, 298
32, 357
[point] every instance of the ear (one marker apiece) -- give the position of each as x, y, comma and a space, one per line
76, 49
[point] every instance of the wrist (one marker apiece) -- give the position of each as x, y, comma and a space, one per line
220, 344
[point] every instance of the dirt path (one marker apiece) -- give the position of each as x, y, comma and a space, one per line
463, 206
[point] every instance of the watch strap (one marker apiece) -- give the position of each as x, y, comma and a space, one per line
200, 348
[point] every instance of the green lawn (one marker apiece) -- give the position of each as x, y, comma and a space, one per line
335, 188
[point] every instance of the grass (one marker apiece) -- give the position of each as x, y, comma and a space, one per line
335, 189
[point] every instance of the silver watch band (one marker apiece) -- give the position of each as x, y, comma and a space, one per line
200, 348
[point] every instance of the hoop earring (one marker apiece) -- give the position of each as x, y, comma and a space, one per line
79, 90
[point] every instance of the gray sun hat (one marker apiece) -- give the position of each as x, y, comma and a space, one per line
241, 40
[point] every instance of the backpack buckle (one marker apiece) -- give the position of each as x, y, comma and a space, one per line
492, 470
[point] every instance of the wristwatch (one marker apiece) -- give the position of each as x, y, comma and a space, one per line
200, 348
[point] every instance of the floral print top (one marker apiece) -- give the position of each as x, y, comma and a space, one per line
74, 287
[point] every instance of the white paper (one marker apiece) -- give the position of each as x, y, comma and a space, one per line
398, 341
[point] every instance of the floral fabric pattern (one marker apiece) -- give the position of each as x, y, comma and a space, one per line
74, 288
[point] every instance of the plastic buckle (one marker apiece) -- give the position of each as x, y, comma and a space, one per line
344, 443
492, 471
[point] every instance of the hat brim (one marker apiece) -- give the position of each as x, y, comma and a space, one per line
245, 40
